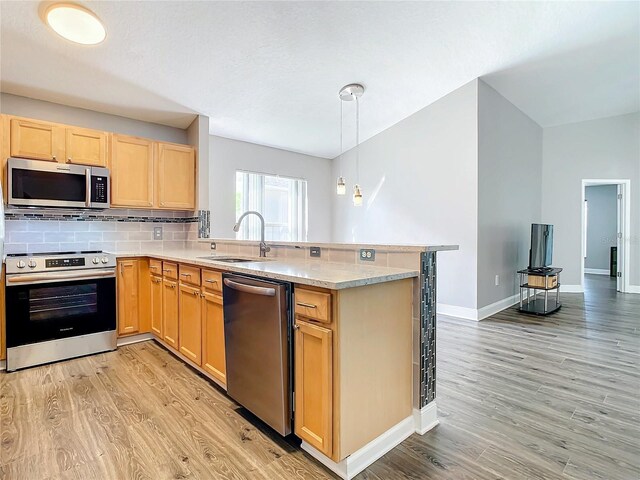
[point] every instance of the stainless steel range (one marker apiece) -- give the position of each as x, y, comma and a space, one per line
59, 306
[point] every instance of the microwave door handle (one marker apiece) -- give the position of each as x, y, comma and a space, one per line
87, 176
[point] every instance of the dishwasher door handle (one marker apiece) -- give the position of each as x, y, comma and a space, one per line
267, 292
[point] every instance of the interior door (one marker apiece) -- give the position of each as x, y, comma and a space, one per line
620, 240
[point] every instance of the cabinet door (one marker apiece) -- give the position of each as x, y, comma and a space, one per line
213, 352
190, 320
131, 172
314, 385
176, 177
86, 147
37, 140
170, 313
128, 298
156, 305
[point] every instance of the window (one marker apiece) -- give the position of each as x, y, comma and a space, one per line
282, 201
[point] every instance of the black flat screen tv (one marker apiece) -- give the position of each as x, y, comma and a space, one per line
541, 252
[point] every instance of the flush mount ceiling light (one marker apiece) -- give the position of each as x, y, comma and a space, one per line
75, 23
350, 93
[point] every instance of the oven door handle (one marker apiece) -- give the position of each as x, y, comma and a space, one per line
56, 277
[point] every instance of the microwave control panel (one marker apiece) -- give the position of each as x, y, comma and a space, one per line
99, 189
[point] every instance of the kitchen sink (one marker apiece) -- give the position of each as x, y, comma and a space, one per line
233, 259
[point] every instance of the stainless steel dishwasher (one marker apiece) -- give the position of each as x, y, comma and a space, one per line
257, 331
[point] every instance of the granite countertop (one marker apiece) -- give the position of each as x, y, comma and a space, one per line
334, 276
337, 246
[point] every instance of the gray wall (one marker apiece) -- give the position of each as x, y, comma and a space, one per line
227, 156
607, 148
509, 192
54, 112
420, 180
602, 224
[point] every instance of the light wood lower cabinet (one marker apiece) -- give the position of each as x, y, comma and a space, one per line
170, 312
190, 323
213, 348
128, 297
156, 305
314, 385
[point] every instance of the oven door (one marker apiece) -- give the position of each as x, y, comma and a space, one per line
51, 310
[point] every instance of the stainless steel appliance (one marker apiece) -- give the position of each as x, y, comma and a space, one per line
35, 183
257, 331
59, 306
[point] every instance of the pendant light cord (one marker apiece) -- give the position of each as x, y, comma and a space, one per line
357, 140
341, 142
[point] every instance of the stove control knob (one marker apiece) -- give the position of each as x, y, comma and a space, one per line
96, 260
21, 264
105, 260
32, 263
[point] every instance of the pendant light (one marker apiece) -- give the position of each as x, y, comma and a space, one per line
350, 93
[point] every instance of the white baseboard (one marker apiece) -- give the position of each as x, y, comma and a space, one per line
455, 311
3, 365
426, 418
634, 289
142, 337
597, 271
372, 451
571, 288
481, 313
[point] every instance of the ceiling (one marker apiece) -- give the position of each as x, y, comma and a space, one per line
269, 72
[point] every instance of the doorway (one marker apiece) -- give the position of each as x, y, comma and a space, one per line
606, 222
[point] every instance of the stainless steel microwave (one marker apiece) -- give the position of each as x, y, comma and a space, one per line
36, 183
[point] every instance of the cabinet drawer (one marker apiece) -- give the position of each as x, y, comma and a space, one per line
212, 280
155, 266
190, 275
170, 270
313, 305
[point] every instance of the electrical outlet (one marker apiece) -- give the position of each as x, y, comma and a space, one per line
497, 280
367, 254
314, 251
157, 233
213, 245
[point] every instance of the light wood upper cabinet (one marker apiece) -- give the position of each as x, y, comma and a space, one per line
190, 324
132, 171
176, 177
156, 305
37, 140
128, 297
314, 385
170, 312
86, 147
213, 349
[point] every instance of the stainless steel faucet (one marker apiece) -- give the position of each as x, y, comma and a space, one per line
264, 248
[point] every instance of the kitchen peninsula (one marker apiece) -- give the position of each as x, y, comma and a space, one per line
359, 390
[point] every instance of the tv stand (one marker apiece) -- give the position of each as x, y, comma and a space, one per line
546, 279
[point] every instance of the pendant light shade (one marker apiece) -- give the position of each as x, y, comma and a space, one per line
341, 187
357, 196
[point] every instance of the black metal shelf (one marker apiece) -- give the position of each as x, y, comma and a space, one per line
526, 285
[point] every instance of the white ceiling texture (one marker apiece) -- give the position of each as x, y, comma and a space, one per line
269, 72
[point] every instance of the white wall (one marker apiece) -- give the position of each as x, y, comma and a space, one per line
227, 156
509, 192
54, 112
602, 225
607, 148
420, 186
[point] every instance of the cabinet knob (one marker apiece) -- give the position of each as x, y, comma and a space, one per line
53, 157
69, 160
296, 326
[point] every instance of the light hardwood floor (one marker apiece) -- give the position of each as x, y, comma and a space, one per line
519, 397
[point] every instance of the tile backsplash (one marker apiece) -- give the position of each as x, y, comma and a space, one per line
111, 230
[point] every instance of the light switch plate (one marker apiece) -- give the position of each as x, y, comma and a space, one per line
314, 251
157, 233
367, 254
